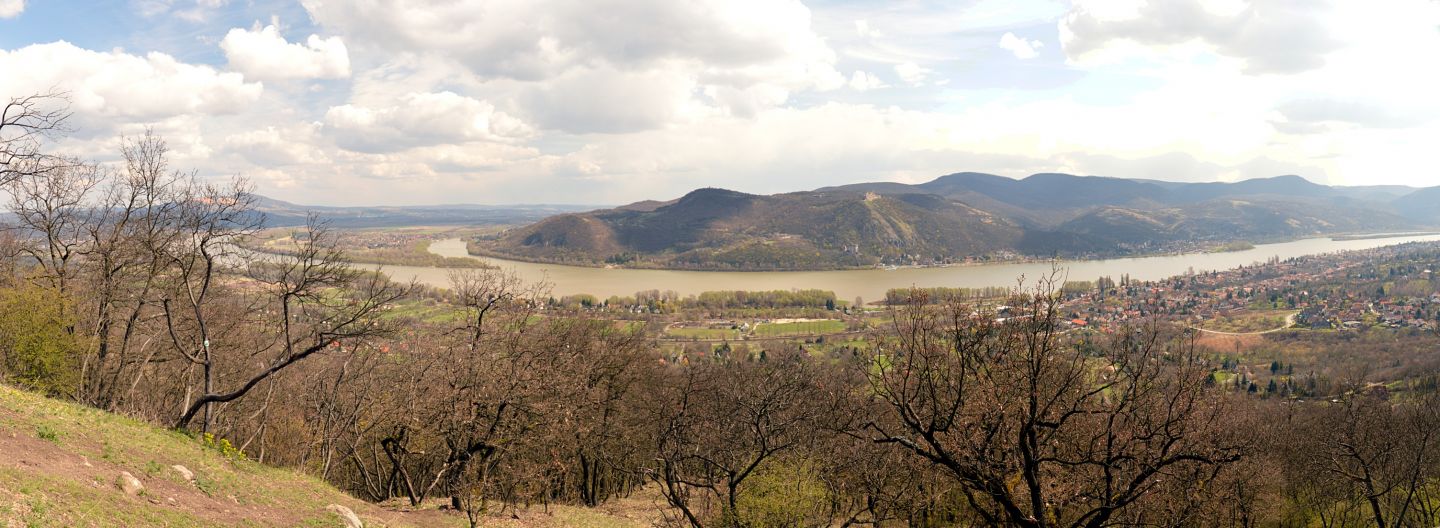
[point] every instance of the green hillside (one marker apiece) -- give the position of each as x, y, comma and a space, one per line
60, 464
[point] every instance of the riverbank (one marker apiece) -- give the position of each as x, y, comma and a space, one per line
477, 250
871, 284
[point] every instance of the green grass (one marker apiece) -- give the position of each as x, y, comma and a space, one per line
45, 432
425, 311
828, 326
55, 488
703, 333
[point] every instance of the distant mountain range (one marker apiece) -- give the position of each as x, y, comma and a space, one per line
280, 213
963, 216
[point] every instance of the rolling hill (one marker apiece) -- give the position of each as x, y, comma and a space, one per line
956, 217
720, 229
1422, 205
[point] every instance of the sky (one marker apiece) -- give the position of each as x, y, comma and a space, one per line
401, 102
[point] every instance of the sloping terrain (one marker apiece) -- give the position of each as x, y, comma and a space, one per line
959, 216
720, 229
1225, 220
1423, 205
1049, 199
59, 466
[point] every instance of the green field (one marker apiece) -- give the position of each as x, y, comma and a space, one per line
702, 333
829, 326
427, 311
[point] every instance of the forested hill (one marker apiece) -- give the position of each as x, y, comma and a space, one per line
963, 216
720, 229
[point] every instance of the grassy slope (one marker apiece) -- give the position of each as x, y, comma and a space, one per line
59, 463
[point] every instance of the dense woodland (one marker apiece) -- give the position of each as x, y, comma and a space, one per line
123, 289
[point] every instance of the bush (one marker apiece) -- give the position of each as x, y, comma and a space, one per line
781, 495
222, 446
38, 346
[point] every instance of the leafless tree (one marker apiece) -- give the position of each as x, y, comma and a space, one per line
1044, 429
53, 208
317, 300
134, 227
1367, 461
721, 422
210, 217
24, 123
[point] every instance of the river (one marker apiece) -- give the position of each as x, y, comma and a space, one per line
871, 284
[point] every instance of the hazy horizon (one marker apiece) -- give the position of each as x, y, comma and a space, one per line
688, 191
412, 102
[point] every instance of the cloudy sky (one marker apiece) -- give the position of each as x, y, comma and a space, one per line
611, 101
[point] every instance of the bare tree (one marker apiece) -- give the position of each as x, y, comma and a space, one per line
1042, 429
135, 224
1366, 461
723, 422
318, 300
53, 207
490, 400
210, 218
24, 123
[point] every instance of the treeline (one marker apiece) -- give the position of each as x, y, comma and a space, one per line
669, 300
765, 299
940, 294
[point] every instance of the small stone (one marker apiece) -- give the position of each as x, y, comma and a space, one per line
184, 472
129, 484
86, 462
351, 520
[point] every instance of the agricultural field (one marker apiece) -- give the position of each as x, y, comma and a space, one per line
821, 327
685, 332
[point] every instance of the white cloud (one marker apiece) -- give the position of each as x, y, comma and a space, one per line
608, 100
861, 81
534, 39
863, 30
264, 54
1023, 49
191, 10
736, 56
420, 119
1271, 36
912, 73
277, 147
615, 100
11, 8
121, 85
